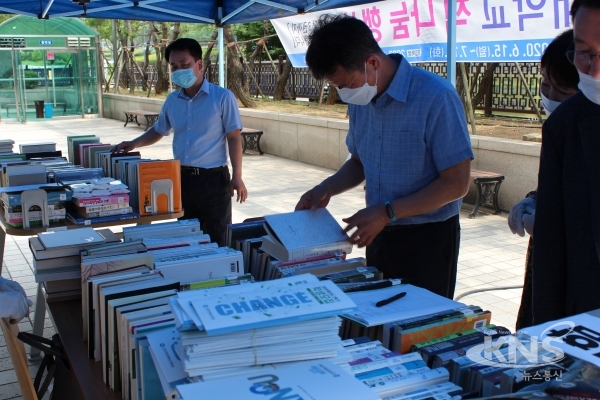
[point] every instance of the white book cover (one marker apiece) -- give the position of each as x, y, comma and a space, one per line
417, 301
70, 237
168, 363
302, 234
185, 298
319, 380
233, 311
576, 335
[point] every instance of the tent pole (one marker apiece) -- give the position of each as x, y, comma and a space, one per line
221, 59
451, 51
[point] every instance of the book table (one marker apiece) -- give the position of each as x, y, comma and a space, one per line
40, 304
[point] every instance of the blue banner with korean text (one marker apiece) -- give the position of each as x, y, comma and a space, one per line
487, 30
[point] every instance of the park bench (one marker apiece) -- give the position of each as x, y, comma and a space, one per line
132, 116
252, 139
32, 107
488, 187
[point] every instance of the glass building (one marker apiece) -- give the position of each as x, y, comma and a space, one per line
54, 61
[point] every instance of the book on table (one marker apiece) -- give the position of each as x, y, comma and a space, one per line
303, 234
318, 380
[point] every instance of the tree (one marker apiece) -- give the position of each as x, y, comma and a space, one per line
235, 70
249, 34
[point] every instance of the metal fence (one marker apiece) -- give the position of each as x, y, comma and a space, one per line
508, 92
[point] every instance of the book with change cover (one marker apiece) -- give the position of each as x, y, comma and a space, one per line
252, 306
303, 234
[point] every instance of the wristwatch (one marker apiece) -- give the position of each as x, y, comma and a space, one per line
390, 211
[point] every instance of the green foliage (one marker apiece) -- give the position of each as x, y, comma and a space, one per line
31, 84
256, 30
4, 17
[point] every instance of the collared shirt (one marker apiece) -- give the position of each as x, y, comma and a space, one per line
200, 124
405, 137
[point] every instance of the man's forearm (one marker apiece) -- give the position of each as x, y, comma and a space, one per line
452, 184
235, 155
349, 176
147, 138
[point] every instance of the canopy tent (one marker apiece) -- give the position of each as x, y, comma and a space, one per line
216, 12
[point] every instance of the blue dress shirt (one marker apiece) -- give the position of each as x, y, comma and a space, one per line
405, 137
200, 124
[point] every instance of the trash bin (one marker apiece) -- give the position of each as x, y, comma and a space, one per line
48, 110
39, 108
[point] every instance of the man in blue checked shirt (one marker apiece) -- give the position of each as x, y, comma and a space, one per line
409, 141
205, 122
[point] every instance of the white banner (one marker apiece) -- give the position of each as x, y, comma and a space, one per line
487, 30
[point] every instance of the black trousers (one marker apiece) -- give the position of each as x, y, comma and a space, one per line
207, 198
424, 255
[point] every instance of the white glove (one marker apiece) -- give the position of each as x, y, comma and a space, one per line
515, 218
14, 303
528, 219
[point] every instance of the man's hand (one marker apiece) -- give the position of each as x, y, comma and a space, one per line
124, 147
237, 185
368, 223
515, 218
317, 197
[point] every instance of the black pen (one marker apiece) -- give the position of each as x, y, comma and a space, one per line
390, 300
372, 286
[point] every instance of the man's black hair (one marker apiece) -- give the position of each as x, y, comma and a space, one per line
339, 40
558, 68
191, 45
577, 4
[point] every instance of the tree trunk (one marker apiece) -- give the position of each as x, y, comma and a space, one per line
235, 70
255, 53
162, 67
487, 81
282, 81
332, 95
206, 57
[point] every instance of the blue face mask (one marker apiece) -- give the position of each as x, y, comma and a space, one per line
184, 78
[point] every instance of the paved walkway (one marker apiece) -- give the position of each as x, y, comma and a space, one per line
490, 256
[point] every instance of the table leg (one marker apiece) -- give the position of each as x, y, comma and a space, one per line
38, 322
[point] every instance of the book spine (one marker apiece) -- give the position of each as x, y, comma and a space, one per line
424, 336
463, 341
98, 220
120, 211
114, 199
105, 207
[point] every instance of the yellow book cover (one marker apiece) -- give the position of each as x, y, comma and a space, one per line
159, 187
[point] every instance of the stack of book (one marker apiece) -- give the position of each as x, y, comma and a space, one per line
100, 200
396, 376
56, 258
227, 330
6, 147
56, 198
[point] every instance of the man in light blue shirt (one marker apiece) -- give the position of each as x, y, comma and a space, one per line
205, 122
409, 141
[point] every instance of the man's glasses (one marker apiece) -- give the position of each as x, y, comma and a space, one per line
581, 58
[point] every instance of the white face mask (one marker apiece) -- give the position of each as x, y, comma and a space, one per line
360, 96
590, 87
549, 105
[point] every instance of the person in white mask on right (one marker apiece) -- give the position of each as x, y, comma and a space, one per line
566, 233
559, 82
